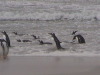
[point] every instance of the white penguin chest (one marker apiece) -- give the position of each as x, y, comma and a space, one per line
76, 40
4, 49
4, 37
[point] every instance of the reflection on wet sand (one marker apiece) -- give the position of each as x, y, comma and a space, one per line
50, 65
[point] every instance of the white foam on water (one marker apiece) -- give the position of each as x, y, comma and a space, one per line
39, 10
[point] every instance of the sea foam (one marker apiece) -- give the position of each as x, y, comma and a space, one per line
38, 10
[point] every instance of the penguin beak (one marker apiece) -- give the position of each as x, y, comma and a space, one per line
50, 33
2, 31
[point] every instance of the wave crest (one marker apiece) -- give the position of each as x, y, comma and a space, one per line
48, 16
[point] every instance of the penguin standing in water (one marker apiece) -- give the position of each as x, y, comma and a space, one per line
56, 41
4, 45
4, 49
77, 37
6, 38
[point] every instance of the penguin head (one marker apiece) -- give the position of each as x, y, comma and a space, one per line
52, 34
4, 32
74, 32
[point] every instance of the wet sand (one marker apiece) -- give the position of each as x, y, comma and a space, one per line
50, 65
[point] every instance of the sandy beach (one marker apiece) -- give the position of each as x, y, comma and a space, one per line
50, 65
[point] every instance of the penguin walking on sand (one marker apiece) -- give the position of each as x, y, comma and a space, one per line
77, 37
58, 45
6, 38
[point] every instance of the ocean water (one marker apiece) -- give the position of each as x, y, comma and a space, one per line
62, 17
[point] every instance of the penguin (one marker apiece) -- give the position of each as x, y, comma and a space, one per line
15, 33
42, 42
18, 34
6, 38
18, 40
80, 39
58, 45
35, 37
26, 41
4, 49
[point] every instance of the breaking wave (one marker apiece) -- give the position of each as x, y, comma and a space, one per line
37, 10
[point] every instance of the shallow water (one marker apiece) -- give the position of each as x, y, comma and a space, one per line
62, 29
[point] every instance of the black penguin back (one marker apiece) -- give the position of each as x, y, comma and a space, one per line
80, 39
7, 38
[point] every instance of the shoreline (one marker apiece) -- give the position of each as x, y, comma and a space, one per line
59, 54
50, 65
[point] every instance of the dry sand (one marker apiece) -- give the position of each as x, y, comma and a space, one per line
50, 65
